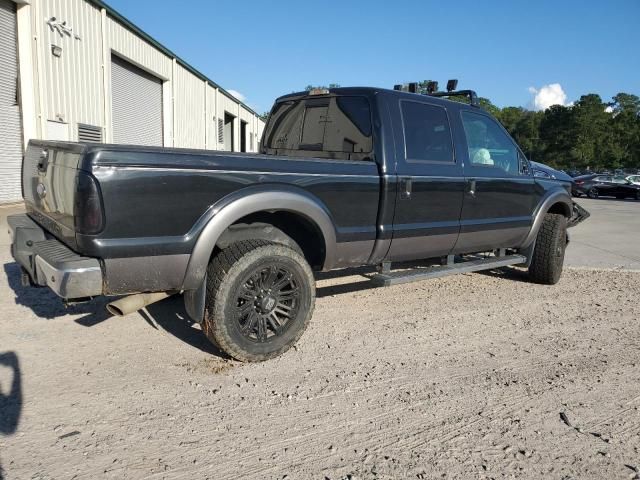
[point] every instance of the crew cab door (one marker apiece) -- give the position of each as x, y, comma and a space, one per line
500, 194
430, 182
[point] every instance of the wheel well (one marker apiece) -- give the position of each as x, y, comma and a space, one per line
283, 227
560, 208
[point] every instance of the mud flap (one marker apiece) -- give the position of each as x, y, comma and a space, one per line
579, 214
194, 301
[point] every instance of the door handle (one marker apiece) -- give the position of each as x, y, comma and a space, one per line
472, 187
405, 186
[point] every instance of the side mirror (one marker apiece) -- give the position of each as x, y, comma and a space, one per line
540, 174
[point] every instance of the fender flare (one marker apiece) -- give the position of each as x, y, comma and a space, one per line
558, 196
252, 200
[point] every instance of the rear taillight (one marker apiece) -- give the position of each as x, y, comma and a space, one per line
579, 182
88, 215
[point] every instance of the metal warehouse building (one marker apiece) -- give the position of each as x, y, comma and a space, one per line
76, 70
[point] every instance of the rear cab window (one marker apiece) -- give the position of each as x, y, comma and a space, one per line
337, 127
427, 134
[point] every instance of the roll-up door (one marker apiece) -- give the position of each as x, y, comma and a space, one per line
136, 104
10, 127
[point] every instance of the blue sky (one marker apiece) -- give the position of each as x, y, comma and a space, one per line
499, 48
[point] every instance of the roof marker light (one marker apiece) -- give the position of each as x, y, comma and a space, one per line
319, 91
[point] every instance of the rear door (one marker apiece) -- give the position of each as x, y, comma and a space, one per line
501, 194
431, 183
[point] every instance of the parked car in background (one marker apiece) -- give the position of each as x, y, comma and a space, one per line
635, 179
597, 185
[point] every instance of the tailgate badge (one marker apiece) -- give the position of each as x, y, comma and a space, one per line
41, 190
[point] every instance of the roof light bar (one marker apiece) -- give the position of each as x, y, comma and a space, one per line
432, 90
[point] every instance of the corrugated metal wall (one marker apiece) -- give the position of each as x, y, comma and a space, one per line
71, 84
189, 105
76, 86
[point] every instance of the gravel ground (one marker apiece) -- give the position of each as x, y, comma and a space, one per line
479, 375
472, 376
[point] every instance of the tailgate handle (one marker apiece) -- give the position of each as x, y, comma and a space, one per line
43, 160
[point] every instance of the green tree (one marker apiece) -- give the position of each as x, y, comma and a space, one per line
625, 129
556, 140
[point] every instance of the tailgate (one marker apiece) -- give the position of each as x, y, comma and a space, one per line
49, 181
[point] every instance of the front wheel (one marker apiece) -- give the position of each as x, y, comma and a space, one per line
260, 298
548, 253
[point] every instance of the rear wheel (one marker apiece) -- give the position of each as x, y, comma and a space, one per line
593, 193
260, 298
548, 254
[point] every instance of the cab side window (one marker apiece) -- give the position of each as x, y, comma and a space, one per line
427, 135
489, 145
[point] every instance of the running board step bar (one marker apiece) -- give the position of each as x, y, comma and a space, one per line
386, 279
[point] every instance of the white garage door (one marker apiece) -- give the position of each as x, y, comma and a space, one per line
10, 130
136, 103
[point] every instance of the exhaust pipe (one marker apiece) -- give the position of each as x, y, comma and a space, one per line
133, 303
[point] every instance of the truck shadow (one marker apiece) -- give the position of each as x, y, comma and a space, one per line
46, 304
343, 288
171, 316
10, 397
508, 273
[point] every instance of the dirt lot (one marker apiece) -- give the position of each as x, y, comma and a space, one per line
473, 376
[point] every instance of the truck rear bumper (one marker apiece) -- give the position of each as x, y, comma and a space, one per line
50, 263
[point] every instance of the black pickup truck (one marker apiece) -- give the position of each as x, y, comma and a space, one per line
346, 177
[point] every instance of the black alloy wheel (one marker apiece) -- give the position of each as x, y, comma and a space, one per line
259, 301
267, 301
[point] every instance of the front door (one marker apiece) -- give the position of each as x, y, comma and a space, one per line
431, 183
500, 194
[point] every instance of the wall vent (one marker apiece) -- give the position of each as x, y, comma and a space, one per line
220, 130
89, 133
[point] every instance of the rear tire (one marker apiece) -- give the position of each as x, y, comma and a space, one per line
548, 254
593, 193
260, 298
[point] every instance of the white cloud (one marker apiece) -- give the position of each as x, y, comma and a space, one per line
609, 109
548, 95
238, 95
